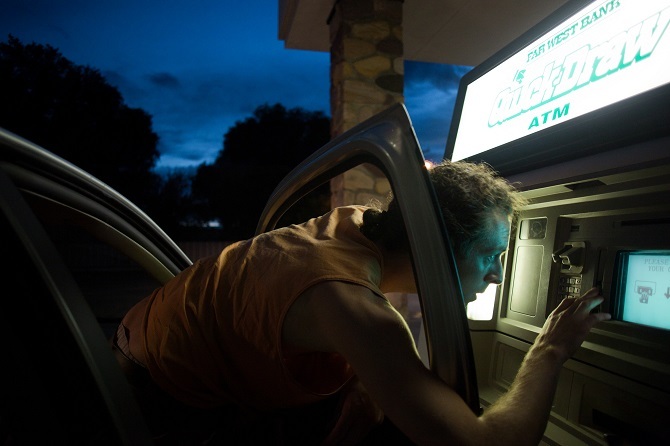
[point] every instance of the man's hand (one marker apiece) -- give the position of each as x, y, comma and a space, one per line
569, 324
358, 416
520, 416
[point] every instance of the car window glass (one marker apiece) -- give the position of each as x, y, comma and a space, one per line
49, 395
109, 279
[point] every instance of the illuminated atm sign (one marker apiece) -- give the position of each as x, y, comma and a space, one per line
609, 51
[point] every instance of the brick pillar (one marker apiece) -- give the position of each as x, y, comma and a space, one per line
367, 77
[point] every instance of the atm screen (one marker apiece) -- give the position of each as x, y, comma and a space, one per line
643, 292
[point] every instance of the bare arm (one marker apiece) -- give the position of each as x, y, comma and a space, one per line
535, 383
376, 341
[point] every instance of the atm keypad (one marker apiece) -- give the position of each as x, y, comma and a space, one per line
569, 286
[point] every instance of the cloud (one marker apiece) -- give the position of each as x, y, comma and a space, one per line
199, 70
165, 80
430, 96
438, 75
193, 116
198, 107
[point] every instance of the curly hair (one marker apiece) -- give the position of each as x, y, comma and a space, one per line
468, 193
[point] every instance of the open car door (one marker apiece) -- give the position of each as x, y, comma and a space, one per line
76, 256
388, 142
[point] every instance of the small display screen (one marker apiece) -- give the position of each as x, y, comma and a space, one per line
643, 292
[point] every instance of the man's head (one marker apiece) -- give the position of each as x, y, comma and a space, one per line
468, 195
477, 206
483, 264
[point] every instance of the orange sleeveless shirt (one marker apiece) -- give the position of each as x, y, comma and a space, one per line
212, 335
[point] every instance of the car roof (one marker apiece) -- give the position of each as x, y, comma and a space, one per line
39, 171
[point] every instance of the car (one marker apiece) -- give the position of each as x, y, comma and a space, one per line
78, 255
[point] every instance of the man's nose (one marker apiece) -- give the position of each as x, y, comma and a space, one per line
494, 275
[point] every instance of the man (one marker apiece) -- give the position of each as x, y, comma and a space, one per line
294, 316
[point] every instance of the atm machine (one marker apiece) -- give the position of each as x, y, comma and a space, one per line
576, 112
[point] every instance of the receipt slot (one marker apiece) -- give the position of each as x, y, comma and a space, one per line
570, 256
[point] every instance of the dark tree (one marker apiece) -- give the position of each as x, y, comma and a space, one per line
172, 208
257, 153
72, 111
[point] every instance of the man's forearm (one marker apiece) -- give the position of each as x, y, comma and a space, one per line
520, 416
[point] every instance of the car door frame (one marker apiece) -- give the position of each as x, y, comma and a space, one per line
389, 142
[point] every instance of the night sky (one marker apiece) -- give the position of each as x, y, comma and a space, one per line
198, 67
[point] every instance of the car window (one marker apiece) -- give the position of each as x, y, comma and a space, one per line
60, 382
376, 193
388, 141
104, 263
48, 396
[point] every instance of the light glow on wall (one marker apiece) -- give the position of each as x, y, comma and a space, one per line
482, 308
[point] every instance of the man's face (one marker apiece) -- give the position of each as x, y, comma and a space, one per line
483, 265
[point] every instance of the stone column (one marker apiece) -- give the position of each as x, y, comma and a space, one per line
367, 77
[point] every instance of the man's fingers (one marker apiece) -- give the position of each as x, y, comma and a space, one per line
591, 293
564, 304
568, 301
588, 300
588, 304
602, 317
